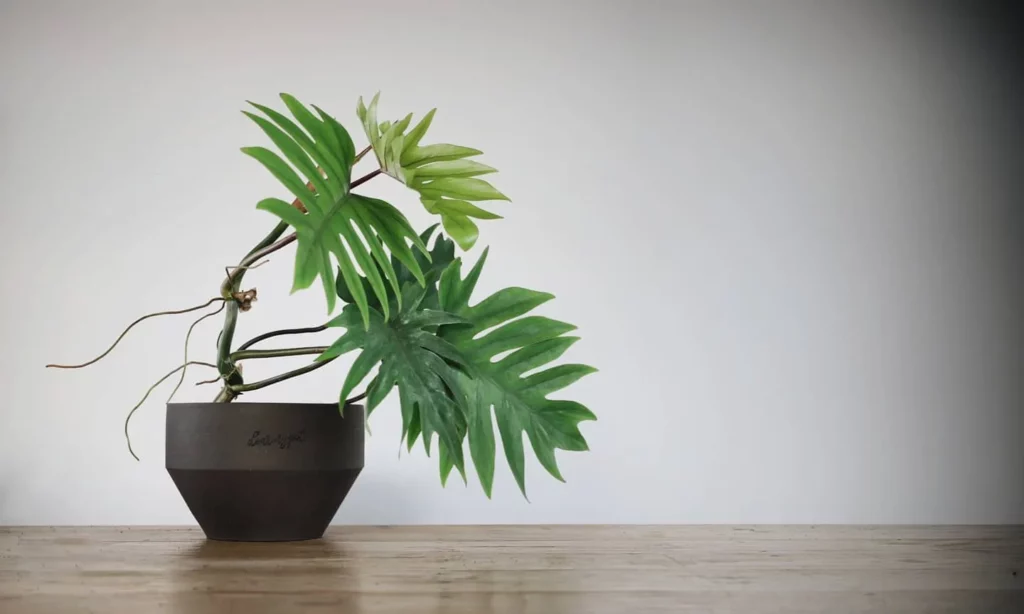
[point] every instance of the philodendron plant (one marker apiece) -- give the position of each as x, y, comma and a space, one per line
408, 306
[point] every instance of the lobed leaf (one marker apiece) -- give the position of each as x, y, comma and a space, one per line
360, 234
520, 405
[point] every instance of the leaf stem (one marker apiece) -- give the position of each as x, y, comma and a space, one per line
278, 333
233, 383
313, 366
268, 245
231, 284
359, 156
132, 325
276, 353
364, 179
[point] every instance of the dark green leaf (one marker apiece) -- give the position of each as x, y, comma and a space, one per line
519, 404
414, 359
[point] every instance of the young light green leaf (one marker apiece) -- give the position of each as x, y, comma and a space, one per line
440, 172
461, 229
418, 156
461, 188
414, 136
461, 207
399, 127
453, 168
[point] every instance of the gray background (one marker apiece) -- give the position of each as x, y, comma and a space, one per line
785, 230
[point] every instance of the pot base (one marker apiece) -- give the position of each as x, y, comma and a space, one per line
263, 506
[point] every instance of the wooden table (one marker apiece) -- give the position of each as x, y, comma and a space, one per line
520, 569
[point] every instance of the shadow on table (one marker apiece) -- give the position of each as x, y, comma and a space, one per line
210, 551
212, 576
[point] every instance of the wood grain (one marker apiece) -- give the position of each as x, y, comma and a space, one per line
521, 569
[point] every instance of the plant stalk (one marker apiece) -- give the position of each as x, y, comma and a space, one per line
313, 366
277, 333
277, 353
233, 382
226, 366
364, 179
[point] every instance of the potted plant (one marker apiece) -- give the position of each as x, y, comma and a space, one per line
279, 471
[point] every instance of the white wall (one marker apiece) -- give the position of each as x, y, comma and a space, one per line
783, 230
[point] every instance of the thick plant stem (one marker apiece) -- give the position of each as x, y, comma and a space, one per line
268, 245
231, 285
233, 383
226, 395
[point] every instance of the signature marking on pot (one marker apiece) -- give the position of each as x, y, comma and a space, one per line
280, 440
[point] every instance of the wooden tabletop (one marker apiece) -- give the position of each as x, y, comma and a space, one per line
520, 569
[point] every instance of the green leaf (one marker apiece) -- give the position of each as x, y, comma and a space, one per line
412, 357
442, 253
414, 136
461, 207
499, 324
466, 188
318, 150
288, 213
354, 231
454, 168
339, 138
377, 391
440, 172
370, 121
296, 155
460, 228
446, 466
284, 173
399, 127
418, 156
